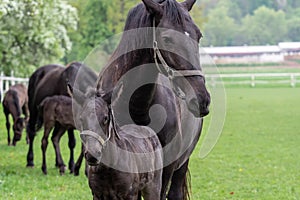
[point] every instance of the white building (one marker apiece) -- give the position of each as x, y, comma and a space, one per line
252, 54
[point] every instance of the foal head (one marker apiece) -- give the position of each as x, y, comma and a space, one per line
18, 127
96, 126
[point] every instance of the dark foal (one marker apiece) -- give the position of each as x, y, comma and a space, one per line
56, 112
15, 101
125, 162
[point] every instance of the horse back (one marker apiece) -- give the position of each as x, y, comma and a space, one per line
48, 86
14, 99
36, 77
58, 108
21, 91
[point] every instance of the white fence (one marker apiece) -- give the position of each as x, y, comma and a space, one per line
250, 79
6, 82
255, 79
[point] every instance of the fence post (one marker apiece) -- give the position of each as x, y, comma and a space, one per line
252, 80
293, 80
1, 86
6, 85
13, 82
213, 82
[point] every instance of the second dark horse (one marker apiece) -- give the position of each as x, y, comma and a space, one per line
48, 81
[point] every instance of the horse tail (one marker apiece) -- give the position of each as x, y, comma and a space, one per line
187, 185
40, 118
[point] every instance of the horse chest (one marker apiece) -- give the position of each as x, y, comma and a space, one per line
114, 184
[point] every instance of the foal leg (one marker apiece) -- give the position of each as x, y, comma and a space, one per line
25, 110
72, 143
56, 136
47, 129
79, 161
26, 113
166, 177
153, 189
7, 127
179, 185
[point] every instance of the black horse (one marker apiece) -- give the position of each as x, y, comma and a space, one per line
48, 81
161, 45
15, 101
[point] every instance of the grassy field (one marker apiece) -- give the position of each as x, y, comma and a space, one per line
256, 157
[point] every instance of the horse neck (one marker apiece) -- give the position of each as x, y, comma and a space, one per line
141, 83
16, 110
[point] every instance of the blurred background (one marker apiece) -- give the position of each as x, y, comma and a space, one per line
38, 32
250, 46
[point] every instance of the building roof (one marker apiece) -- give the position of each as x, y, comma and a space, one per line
252, 50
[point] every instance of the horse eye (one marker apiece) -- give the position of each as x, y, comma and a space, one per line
105, 120
167, 40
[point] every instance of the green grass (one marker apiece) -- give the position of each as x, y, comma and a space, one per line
256, 157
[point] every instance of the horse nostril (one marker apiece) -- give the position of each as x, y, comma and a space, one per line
193, 106
90, 159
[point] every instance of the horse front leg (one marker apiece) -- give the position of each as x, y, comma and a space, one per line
179, 184
26, 113
71, 144
166, 178
79, 161
8, 129
153, 189
56, 136
44, 145
31, 135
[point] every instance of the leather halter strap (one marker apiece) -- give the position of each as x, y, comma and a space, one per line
168, 71
111, 127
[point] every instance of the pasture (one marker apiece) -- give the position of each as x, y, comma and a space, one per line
256, 157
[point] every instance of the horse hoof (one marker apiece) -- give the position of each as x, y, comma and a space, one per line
76, 173
30, 165
44, 170
62, 170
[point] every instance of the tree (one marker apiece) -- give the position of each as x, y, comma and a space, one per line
99, 20
220, 28
265, 26
92, 28
293, 25
33, 33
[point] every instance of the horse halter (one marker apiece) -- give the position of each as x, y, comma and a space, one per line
167, 71
111, 126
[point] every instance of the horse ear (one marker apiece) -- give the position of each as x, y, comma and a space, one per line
77, 95
188, 4
153, 7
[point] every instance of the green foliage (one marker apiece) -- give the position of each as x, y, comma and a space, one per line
92, 28
99, 20
219, 26
261, 22
260, 28
33, 33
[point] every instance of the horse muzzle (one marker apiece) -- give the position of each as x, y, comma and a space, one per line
91, 160
198, 109
93, 147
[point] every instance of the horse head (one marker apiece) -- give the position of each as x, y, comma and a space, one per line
94, 123
18, 127
176, 46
